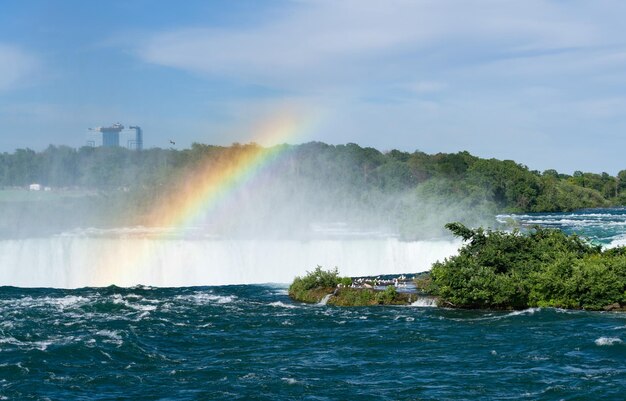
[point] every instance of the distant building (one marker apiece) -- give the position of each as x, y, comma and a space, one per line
137, 144
110, 135
34, 187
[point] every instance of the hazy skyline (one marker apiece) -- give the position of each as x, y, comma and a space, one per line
539, 82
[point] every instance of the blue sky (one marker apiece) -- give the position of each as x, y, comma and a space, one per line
539, 82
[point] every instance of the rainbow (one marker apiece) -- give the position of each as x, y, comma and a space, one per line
208, 187
205, 193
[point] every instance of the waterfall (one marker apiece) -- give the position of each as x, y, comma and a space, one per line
71, 262
324, 300
425, 301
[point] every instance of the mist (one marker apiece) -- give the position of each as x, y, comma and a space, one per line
308, 190
112, 216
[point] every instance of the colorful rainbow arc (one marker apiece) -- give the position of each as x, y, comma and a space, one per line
208, 188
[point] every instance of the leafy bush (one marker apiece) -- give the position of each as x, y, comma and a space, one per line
387, 296
324, 280
544, 267
345, 281
369, 297
318, 283
355, 297
317, 278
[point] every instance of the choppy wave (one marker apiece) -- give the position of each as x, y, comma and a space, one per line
618, 240
280, 304
608, 341
529, 311
241, 342
602, 226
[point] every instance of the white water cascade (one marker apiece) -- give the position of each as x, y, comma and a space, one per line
75, 261
324, 300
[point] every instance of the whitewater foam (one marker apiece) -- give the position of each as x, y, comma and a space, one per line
529, 311
425, 302
608, 341
202, 298
324, 300
77, 261
619, 240
280, 304
111, 336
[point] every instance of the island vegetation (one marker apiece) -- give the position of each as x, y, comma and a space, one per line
411, 194
540, 268
320, 284
498, 270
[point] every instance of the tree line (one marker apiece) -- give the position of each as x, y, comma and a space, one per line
510, 186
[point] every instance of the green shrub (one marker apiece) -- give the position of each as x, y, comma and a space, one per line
387, 296
543, 267
354, 297
316, 279
314, 285
346, 281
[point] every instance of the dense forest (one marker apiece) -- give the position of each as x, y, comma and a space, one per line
413, 194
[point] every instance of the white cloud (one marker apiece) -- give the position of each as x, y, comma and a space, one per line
498, 78
346, 42
16, 66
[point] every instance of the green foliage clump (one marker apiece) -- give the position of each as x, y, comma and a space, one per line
369, 297
314, 285
354, 297
387, 296
545, 267
345, 281
317, 278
